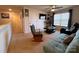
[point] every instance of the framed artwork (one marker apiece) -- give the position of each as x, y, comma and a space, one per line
26, 12
4, 15
42, 16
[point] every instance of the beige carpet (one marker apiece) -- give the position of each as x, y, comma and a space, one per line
22, 43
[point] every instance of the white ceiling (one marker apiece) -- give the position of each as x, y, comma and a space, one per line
39, 7
46, 7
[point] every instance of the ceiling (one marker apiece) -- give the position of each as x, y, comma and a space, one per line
46, 7
39, 7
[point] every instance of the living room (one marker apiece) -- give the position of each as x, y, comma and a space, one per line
46, 20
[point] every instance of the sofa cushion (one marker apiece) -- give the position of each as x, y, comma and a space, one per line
74, 45
55, 45
77, 33
68, 39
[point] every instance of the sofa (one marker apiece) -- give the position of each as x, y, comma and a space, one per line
56, 44
73, 29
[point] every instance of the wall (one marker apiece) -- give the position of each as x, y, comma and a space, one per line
75, 17
15, 18
33, 19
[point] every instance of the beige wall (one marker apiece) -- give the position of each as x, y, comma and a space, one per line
20, 24
33, 17
75, 17
15, 18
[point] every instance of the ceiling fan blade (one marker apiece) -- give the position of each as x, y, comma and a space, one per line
47, 9
58, 7
53, 7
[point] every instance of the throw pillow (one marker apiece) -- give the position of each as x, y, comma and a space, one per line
68, 39
72, 28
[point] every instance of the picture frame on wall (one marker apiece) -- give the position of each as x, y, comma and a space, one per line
42, 16
4, 15
26, 12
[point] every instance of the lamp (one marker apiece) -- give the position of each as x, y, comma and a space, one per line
10, 9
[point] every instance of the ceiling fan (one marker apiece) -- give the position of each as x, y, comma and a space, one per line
54, 7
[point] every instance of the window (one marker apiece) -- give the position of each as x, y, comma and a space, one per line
61, 19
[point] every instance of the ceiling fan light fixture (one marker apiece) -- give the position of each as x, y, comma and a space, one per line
53, 6
52, 9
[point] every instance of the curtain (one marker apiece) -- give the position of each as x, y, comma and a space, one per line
70, 19
53, 19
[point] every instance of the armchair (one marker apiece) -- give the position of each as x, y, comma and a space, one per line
36, 35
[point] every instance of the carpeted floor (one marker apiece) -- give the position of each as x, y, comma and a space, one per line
22, 43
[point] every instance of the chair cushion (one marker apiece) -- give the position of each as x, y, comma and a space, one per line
37, 33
